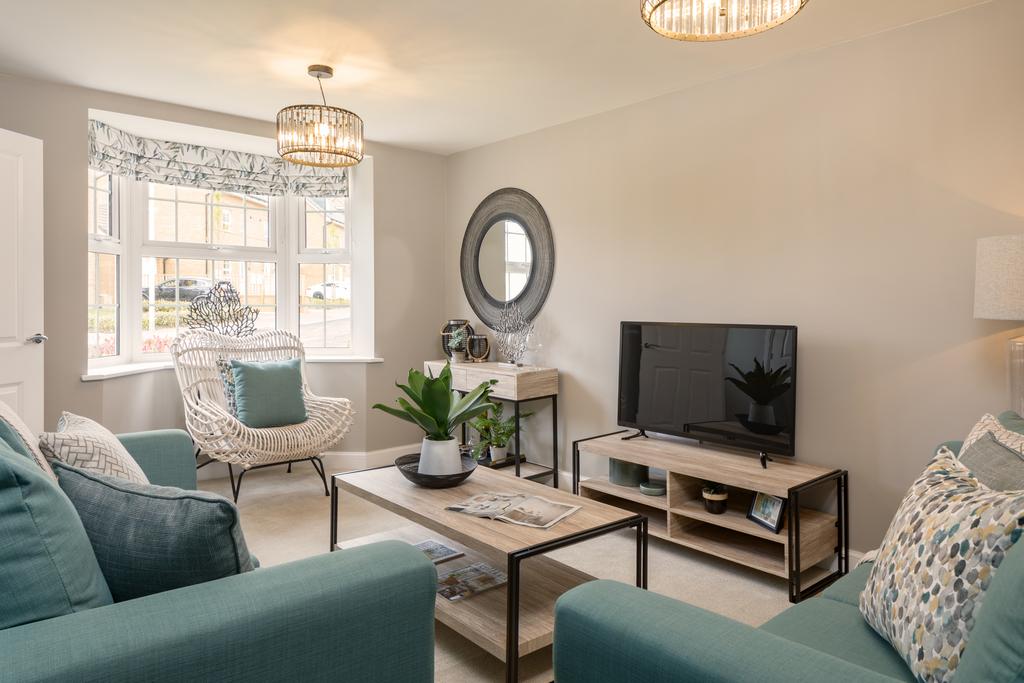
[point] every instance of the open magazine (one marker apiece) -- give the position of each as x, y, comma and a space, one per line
532, 511
438, 552
466, 582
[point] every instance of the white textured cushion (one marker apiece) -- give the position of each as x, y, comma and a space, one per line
88, 445
989, 423
16, 427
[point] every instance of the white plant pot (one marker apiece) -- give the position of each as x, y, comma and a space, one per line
499, 453
762, 414
440, 457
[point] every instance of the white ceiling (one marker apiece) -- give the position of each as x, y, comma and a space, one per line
439, 75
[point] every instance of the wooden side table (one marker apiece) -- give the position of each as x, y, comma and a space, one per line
515, 385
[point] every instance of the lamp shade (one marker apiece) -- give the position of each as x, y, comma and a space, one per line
999, 278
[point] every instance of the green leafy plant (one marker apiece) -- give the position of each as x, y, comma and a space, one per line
434, 407
762, 386
457, 340
493, 430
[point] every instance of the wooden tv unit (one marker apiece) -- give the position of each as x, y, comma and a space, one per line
807, 538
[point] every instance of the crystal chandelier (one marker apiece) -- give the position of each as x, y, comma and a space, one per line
319, 135
703, 20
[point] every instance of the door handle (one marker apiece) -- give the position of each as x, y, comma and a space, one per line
37, 338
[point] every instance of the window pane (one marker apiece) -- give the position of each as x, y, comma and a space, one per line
311, 283
261, 284
102, 182
195, 194
339, 327
102, 201
106, 280
92, 211
257, 233
161, 219
267, 318
158, 191
314, 230
103, 337
229, 224
336, 204
192, 223
311, 326
159, 310
316, 204
338, 289
335, 231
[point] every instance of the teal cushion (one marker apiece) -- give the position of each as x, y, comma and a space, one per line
838, 629
993, 464
47, 566
1012, 421
995, 651
848, 588
149, 539
269, 394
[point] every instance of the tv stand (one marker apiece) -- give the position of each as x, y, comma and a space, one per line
635, 436
808, 537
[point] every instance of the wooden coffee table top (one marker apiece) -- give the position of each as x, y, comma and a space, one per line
387, 488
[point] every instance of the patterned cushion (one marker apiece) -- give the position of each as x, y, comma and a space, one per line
993, 464
990, 424
946, 542
227, 377
16, 434
149, 539
89, 445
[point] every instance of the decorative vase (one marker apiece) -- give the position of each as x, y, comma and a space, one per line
446, 334
499, 453
716, 503
440, 457
761, 414
478, 346
624, 473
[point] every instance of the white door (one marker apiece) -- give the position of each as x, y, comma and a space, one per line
682, 368
21, 275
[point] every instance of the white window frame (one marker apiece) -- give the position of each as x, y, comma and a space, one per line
112, 244
287, 230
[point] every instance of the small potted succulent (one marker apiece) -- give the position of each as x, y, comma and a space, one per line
457, 344
716, 497
437, 410
495, 433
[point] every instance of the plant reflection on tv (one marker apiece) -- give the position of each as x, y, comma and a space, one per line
763, 387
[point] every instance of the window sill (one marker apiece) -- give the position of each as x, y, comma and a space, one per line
125, 369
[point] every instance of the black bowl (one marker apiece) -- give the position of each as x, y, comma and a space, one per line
409, 466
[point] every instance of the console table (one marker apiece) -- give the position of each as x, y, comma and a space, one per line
515, 385
808, 537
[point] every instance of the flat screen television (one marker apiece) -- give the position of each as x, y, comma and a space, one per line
725, 384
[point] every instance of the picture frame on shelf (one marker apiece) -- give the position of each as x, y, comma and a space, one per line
767, 510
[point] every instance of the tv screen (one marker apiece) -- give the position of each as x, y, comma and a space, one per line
725, 384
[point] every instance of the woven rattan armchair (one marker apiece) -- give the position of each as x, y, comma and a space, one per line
219, 435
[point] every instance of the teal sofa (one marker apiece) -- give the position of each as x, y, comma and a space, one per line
365, 614
610, 632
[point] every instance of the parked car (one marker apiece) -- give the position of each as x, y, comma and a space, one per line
330, 290
188, 288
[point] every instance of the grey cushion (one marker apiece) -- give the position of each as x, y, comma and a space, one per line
150, 539
47, 566
993, 464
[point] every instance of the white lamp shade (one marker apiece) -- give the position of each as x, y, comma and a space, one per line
999, 278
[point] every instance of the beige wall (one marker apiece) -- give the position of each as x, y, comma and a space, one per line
409, 211
840, 191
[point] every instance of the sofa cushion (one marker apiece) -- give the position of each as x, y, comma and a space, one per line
848, 588
16, 434
47, 566
994, 464
269, 393
88, 445
988, 424
996, 650
947, 541
150, 539
837, 628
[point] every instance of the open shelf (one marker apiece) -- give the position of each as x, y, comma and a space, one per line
657, 522
752, 551
602, 485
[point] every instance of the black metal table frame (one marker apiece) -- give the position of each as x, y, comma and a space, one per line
515, 559
797, 591
548, 471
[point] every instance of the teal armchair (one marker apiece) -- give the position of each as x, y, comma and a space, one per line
354, 615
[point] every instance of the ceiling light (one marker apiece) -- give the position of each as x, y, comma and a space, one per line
319, 135
704, 20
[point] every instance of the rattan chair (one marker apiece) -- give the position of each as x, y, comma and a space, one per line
219, 435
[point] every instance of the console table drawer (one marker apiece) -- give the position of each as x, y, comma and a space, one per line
513, 383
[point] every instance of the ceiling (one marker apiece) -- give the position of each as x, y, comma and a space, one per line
437, 75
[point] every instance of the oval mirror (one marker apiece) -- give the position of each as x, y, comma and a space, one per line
505, 260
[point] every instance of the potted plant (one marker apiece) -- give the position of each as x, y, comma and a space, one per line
763, 388
716, 497
437, 410
457, 344
494, 432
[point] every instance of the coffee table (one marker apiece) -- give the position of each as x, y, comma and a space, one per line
494, 619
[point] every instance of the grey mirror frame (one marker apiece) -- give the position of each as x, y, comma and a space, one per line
521, 206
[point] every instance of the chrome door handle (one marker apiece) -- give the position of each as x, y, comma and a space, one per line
37, 338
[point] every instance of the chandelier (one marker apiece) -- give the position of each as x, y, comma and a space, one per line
319, 135
704, 20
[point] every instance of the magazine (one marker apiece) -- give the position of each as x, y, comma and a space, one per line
438, 552
466, 582
532, 511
